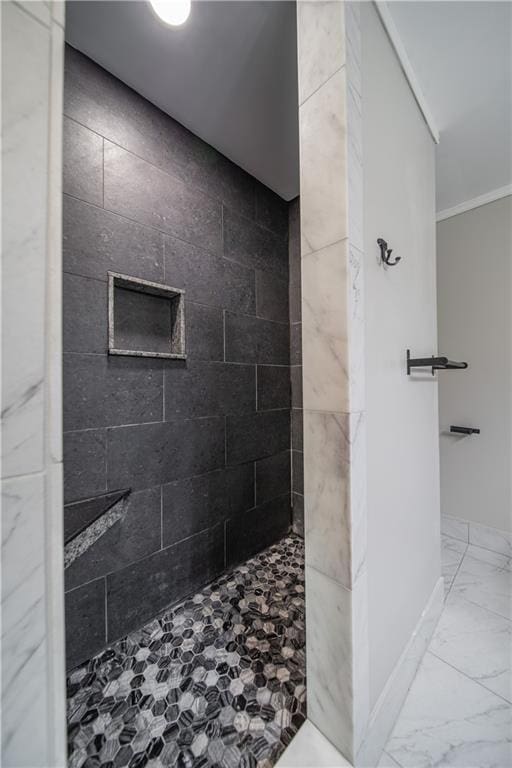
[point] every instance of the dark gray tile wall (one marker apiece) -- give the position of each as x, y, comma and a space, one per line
203, 443
296, 367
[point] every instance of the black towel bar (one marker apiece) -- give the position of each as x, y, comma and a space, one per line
435, 363
465, 430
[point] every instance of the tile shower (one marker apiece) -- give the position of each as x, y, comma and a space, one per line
205, 452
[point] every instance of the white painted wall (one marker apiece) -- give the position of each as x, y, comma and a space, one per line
400, 305
474, 290
33, 727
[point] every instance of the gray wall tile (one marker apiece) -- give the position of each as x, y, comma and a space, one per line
209, 389
204, 332
151, 454
131, 538
296, 379
294, 261
197, 503
271, 211
271, 297
84, 315
96, 241
247, 534
296, 344
82, 167
85, 464
272, 477
256, 436
173, 210
85, 622
251, 340
142, 321
298, 472
104, 391
139, 190
298, 513
297, 429
273, 387
96, 99
208, 278
254, 246
140, 591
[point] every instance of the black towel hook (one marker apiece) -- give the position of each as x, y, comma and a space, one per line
385, 253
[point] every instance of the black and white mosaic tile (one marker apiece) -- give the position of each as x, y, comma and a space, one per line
217, 681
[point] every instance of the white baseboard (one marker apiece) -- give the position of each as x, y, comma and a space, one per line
390, 702
477, 534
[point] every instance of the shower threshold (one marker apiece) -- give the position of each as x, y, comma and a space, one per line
217, 680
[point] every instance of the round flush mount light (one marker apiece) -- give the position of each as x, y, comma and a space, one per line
173, 12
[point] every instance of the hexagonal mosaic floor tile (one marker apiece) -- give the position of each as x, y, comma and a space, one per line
218, 681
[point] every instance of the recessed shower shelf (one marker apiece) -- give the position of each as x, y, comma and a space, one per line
145, 319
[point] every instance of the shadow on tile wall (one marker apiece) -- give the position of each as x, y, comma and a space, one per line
204, 444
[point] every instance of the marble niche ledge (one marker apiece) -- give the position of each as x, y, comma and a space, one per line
86, 521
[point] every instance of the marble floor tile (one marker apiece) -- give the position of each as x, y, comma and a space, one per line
487, 583
452, 552
310, 749
454, 527
449, 720
386, 761
477, 643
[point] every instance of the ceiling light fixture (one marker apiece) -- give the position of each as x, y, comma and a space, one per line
173, 12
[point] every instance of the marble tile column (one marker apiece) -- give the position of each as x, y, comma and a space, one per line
333, 370
32, 654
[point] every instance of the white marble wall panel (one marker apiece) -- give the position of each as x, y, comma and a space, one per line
333, 371
323, 165
329, 659
477, 534
24, 680
325, 329
321, 43
33, 683
25, 56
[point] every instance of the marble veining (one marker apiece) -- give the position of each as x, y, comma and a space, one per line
323, 166
321, 43
449, 720
24, 680
458, 711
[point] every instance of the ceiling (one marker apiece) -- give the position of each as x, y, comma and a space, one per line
461, 53
229, 75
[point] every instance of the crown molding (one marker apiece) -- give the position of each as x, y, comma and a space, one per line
399, 48
475, 202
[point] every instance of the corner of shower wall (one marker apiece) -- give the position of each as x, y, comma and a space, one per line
329, 50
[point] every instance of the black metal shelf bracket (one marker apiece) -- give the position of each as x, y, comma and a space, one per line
464, 430
435, 363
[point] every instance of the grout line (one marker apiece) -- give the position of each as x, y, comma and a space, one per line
256, 383
106, 608
34, 17
180, 181
166, 233
103, 172
255, 463
161, 517
468, 677
321, 84
224, 334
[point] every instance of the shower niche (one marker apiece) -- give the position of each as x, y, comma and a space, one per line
145, 319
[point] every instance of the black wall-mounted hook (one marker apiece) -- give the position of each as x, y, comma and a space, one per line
385, 253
